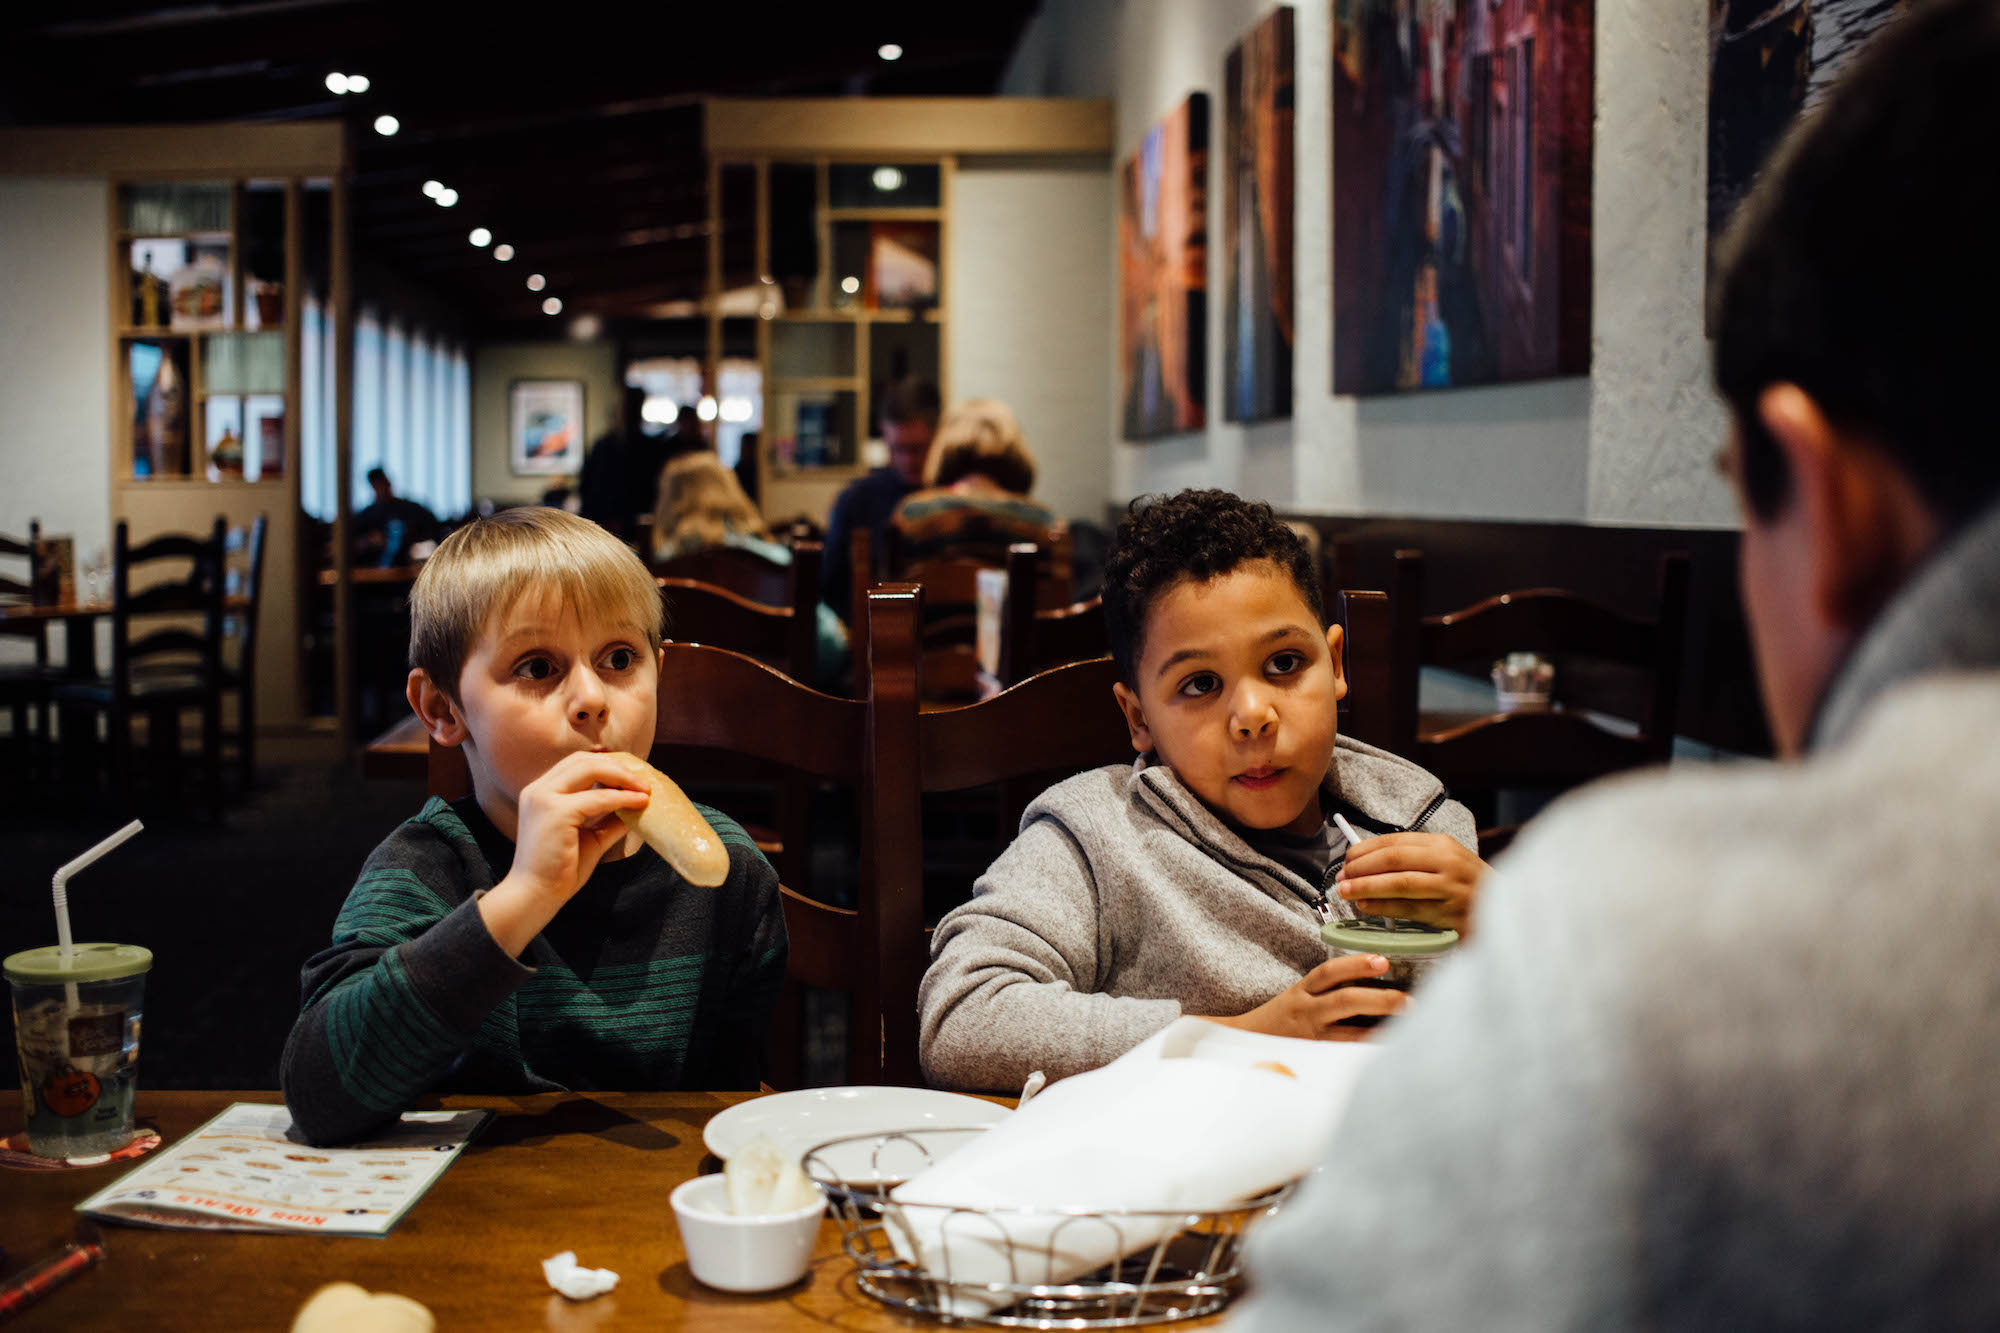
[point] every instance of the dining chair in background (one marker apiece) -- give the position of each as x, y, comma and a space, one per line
166, 656
1616, 685
244, 578
743, 572
24, 685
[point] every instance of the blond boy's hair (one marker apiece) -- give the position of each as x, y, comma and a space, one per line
701, 504
485, 567
981, 437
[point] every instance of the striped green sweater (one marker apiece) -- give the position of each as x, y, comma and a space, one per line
642, 980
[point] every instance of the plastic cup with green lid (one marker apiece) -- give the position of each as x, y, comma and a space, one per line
76, 1027
1411, 951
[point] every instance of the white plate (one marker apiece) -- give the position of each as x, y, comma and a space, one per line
799, 1120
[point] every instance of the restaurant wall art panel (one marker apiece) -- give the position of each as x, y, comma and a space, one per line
1768, 61
1163, 276
1257, 300
1461, 191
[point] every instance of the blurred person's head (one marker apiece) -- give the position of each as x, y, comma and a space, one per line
981, 438
701, 503
1852, 356
378, 481
632, 410
909, 414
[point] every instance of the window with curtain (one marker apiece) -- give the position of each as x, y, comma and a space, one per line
412, 414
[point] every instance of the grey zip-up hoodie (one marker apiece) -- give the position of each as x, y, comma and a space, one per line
1124, 903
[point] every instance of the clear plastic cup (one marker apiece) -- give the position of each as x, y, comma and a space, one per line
1411, 951
79, 1054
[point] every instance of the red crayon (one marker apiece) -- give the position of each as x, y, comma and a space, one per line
32, 1284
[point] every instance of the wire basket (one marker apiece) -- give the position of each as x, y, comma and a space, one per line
1175, 1265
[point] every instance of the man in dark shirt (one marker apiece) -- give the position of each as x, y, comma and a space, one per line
909, 420
385, 531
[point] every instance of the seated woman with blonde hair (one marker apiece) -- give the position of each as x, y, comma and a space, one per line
974, 503
701, 504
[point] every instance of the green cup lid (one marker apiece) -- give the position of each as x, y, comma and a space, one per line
1355, 938
88, 962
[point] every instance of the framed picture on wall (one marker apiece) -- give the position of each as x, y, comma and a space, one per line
545, 427
1256, 173
1461, 193
1163, 276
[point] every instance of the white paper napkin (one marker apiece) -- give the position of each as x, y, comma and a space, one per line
1187, 1121
573, 1280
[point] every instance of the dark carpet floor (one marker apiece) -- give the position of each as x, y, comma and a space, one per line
229, 912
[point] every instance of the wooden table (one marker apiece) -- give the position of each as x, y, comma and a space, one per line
79, 622
584, 1172
403, 751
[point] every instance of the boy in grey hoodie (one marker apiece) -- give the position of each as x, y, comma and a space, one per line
1195, 881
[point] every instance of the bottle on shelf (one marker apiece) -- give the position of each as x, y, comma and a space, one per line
167, 422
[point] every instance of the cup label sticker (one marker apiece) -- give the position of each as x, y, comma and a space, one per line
97, 1034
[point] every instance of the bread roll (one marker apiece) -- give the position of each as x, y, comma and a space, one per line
671, 826
343, 1307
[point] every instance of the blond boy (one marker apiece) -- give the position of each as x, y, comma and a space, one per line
522, 939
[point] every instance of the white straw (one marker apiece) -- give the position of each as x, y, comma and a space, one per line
59, 889
1346, 829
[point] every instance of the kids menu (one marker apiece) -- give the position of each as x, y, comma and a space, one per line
243, 1171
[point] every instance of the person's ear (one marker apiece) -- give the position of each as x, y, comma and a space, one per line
1336, 647
1135, 717
1863, 525
434, 708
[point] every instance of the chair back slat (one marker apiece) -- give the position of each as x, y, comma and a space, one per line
712, 698
1064, 718
195, 591
1533, 749
1541, 620
747, 574
1365, 661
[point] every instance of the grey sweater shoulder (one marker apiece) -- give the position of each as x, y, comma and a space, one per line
1720, 1056
1125, 903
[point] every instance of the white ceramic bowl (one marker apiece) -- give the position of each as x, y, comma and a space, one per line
732, 1253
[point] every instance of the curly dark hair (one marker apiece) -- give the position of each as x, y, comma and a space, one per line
1192, 534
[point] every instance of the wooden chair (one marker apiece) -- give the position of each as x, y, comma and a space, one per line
159, 671
1365, 637
239, 667
786, 639
24, 686
745, 573
1609, 665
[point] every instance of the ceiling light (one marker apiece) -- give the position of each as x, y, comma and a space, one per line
552, 306
705, 409
850, 285
536, 282
585, 328
336, 83
888, 180
889, 51
386, 125
447, 197
357, 83
660, 410
503, 253
736, 409
480, 237
432, 189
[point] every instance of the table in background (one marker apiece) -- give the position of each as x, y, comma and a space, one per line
79, 622
588, 1172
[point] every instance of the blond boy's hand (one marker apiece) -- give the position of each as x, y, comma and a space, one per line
566, 821
1425, 877
1313, 1006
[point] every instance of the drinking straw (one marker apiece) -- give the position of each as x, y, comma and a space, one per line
59, 888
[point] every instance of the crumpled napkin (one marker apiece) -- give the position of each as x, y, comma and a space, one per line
576, 1282
1197, 1117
